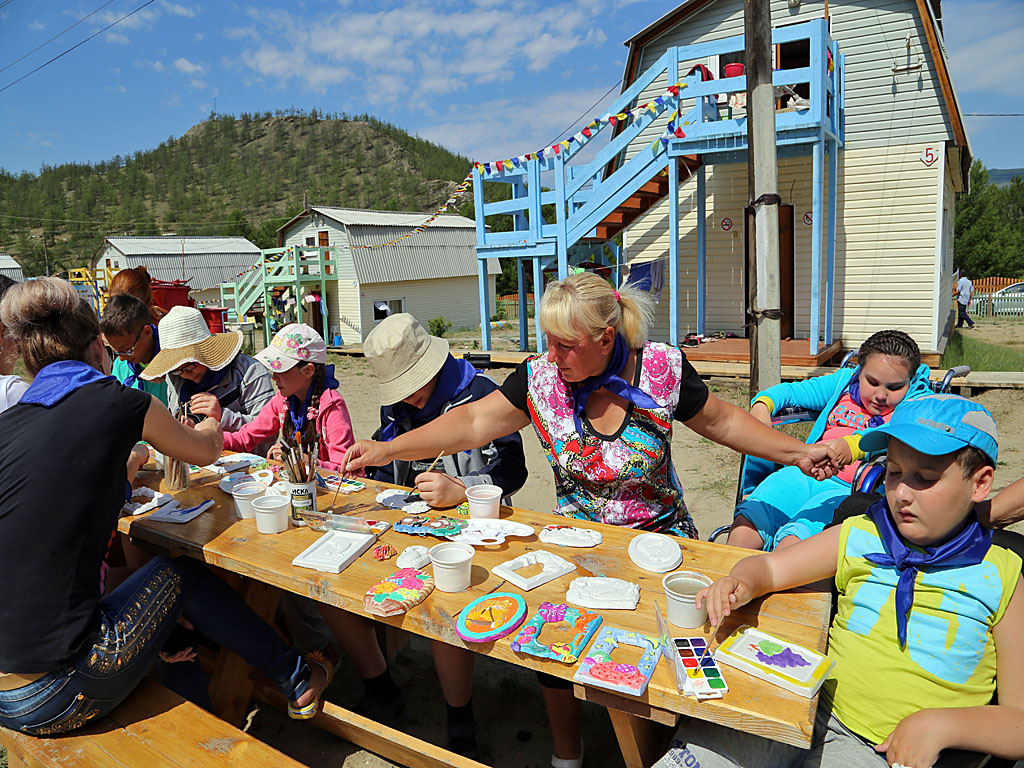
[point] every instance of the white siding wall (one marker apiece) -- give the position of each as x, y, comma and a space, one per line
456, 298
885, 245
882, 109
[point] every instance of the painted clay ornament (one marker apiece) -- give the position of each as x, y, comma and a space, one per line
569, 536
655, 552
553, 566
384, 552
429, 526
598, 668
399, 500
399, 592
413, 557
599, 592
583, 624
486, 532
491, 617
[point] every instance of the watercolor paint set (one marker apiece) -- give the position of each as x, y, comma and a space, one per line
704, 678
777, 661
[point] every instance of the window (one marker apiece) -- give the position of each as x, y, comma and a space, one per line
794, 55
386, 308
311, 241
322, 238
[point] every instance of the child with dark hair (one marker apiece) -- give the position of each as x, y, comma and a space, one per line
11, 387
926, 602
132, 339
788, 506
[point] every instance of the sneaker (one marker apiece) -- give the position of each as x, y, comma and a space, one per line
569, 762
462, 741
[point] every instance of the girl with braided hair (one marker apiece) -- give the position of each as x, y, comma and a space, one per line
307, 398
787, 506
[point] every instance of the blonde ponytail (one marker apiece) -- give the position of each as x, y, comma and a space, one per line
584, 305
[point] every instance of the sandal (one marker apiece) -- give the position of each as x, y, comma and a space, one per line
295, 712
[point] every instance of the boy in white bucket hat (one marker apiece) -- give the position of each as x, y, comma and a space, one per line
207, 371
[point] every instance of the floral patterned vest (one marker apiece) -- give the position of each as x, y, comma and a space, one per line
629, 480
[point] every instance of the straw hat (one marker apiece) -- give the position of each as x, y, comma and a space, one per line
295, 343
185, 338
403, 356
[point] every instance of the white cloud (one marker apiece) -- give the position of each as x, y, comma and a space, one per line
241, 33
117, 37
198, 84
187, 67
983, 42
178, 10
172, 100
37, 26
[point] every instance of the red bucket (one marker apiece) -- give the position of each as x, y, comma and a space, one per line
215, 318
733, 70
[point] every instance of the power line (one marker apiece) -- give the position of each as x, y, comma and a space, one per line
77, 45
66, 29
587, 112
111, 222
5, 3
993, 114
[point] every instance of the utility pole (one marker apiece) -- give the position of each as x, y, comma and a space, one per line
46, 255
762, 216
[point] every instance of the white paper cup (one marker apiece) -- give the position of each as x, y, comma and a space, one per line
453, 566
271, 513
244, 494
484, 500
681, 588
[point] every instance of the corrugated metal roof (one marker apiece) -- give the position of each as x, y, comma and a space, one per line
10, 267
208, 261
431, 254
367, 218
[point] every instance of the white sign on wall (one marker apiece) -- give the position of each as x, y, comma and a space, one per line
929, 155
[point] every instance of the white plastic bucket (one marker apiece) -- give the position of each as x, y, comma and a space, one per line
681, 588
483, 500
244, 494
453, 566
271, 513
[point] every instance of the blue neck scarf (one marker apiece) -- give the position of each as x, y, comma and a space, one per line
300, 412
58, 380
611, 380
968, 547
137, 368
456, 375
875, 421
210, 380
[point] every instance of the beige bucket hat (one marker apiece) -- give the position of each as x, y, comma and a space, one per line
404, 357
185, 338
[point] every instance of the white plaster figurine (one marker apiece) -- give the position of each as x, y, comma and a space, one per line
602, 592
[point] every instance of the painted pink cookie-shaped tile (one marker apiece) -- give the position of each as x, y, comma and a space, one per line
398, 593
624, 675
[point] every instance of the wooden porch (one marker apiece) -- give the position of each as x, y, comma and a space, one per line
794, 352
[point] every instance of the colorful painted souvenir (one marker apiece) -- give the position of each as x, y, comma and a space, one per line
491, 617
778, 661
598, 668
384, 552
486, 532
399, 592
429, 526
583, 627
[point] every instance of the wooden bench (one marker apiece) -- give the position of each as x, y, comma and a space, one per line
154, 727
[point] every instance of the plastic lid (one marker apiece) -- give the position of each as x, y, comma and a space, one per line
655, 552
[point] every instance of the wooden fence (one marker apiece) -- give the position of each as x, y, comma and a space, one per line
510, 304
993, 284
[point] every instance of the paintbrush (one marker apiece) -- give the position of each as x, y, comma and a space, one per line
435, 460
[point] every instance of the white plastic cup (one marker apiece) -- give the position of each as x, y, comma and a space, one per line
453, 566
681, 588
484, 501
271, 513
244, 494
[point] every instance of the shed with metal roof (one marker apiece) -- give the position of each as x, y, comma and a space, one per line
204, 262
430, 274
10, 267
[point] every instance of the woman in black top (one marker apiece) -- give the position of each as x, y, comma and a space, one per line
69, 653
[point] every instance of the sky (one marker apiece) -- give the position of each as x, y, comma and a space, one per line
486, 78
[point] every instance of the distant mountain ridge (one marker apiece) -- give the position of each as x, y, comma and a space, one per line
1003, 176
225, 176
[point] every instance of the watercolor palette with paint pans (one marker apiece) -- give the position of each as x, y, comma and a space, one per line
704, 678
780, 662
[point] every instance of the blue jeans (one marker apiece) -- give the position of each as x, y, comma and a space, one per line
135, 621
962, 316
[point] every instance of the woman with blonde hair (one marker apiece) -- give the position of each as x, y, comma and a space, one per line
602, 401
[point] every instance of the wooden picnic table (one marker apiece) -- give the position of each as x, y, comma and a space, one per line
220, 538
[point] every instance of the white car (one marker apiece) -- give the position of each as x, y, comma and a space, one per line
1015, 289
1005, 301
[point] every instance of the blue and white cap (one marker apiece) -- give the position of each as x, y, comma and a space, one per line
937, 425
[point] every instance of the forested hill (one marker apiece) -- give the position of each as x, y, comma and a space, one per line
225, 176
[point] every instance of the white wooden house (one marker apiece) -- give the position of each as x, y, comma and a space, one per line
10, 267
903, 156
430, 274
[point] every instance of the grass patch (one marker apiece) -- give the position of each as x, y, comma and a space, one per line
980, 355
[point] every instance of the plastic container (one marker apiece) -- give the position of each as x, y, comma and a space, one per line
733, 70
215, 318
453, 566
244, 494
271, 514
483, 500
681, 588
303, 498
169, 294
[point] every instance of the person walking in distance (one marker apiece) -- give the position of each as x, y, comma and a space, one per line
964, 291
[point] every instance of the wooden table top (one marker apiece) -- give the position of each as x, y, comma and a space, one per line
219, 538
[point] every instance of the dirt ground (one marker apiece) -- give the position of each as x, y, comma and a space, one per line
516, 736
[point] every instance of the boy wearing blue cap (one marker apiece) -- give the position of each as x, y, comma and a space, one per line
925, 600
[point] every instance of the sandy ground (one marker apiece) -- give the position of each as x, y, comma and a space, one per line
517, 735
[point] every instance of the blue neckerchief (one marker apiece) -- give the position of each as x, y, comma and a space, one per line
136, 368
611, 380
210, 380
854, 388
968, 547
456, 375
300, 416
58, 380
